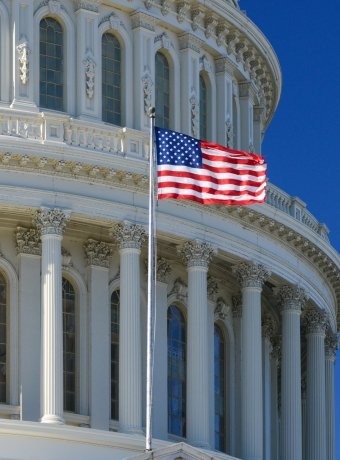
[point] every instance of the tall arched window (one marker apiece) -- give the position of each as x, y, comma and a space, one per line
176, 372
115, 304
3, 338
219, 380
69, 345
111, 80
203, 108
162, 86
51, 93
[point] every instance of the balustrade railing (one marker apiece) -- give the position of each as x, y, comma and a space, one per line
126, 142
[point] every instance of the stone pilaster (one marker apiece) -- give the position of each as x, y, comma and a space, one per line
246, 98
51, 224
160, 375
224, 86
130, 238
97, 256
251, 277
315, 323
292, 300
274, 414
197, 256
331, 345
237, 324
28, 247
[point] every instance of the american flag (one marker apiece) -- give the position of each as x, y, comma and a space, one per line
190, 169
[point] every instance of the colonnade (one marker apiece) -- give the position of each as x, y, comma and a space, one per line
263, 431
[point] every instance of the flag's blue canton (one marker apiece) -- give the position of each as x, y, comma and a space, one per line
177, 149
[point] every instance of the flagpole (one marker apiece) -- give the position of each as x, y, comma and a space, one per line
151, 288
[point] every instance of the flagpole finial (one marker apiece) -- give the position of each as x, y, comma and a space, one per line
151, 112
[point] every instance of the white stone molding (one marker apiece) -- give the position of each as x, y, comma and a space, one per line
164, 269
24, 51
163, 41
182, 9
205, 64
197, 253
97, 253
232, 39
210, 23
142, 20
197, 15
66, 258
90, 74
55, 8
221, 31
129, 235
251, 274
92, 5
194, 114
147, 85
28, 241
166, 6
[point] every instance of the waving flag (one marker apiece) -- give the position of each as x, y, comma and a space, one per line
190, 169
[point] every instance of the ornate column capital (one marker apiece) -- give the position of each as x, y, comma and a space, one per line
196, 253
97, 253
28, 241
163, 270
291, 298
51, 221
251, 274
129, 236
331, 345
237, 306
268, 326
315, 320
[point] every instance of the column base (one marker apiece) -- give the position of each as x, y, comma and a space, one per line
54, 419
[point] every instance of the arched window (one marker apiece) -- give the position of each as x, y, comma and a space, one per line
51, 65
203, 108
111, 79
115, 304
3, 338
176, 372
69, 345
162, 86
219, 381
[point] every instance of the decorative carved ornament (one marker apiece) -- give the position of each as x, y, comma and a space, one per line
229, 135
86, 5
268, 326
23, 57
97, 253
163, 269
276, 347
179, 290
182, 9
90, 74
54, 6
166, 6
251, 274
205, 64
51, 221
194, 115
331, 345
28, 241
129, 236
196, 253
237, 306
212, 288
147, 85
222, 310
291, 298
315, 320
164, 40
65, 257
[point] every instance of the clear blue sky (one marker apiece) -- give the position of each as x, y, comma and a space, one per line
302, 144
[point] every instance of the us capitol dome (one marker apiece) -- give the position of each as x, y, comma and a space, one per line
247, 305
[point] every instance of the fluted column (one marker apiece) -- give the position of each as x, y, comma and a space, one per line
316, 322
160, 375
331, 345
274, 403
292, 300
51, 223
251, 276
97, 257
237, 324
268, 330
197, 256
130, 238
29, 252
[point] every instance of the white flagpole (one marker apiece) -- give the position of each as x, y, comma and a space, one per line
151, 288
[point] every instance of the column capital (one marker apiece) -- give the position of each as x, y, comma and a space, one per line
331, 345
163, 269
315, 320
196, 253
268, 326
97, 253
28, 241
51, 221
237, 305
129, 236
250, 274
291, 298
